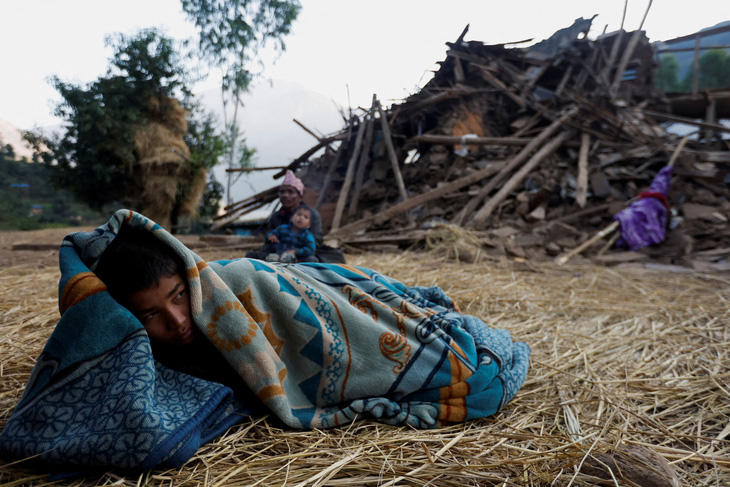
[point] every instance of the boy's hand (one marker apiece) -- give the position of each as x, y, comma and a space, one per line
273, 239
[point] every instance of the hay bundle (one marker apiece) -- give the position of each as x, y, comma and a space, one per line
622, 358
159, 186
191, 193
455, 242
160, 141
165, 184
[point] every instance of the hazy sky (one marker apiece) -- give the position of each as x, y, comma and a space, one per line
375, 46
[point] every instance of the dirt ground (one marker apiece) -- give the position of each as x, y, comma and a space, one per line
49, 239
33, 258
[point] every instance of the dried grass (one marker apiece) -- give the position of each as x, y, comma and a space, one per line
620, 357
161, 172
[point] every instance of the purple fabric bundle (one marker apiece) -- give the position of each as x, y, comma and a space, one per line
644, 222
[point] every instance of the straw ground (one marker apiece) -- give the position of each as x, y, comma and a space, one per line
621, 358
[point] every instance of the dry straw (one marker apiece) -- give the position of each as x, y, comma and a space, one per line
621, 359
162, 176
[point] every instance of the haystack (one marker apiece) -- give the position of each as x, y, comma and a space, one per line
166, 185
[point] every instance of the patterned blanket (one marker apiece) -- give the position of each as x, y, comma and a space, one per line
320, 345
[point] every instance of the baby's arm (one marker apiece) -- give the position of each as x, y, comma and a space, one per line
273, 236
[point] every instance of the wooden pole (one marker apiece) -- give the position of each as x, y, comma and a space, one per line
485, 212
696, 66
628, 52
253, 169
454, 139
411, 203
595, 238
451, 187
614, 48
582, 184
678, 150
675, 118
511, 165
307, 130
364, 159
391, 152
331, 169
348, 179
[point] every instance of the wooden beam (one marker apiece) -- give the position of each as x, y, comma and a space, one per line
322, 142
348, 178
453, 139
562, 259
439, 192
485, 212
267, 194
511, 165
411, 203
253, 169
364, 159
704, 33
391, 152
581, 191
307, 130
688, 49
328, 177
497, 83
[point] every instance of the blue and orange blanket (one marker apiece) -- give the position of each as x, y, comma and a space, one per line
319, 344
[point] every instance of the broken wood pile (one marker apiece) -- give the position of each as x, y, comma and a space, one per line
534, 149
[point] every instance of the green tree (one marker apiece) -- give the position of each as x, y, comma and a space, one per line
211, 198
24, 184
714, 69
232, 36
7, 152
666, 78
207, 145
95, 156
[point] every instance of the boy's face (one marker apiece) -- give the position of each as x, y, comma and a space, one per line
301, 219
164, 310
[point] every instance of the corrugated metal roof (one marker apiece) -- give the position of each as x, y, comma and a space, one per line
683, 129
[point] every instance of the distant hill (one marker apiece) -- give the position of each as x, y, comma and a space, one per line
13, 136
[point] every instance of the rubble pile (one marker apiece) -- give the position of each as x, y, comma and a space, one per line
534, 149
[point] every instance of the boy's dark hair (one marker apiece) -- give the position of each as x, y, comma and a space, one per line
136, 260
301, 206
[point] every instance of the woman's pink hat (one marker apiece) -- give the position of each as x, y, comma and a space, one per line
291, 180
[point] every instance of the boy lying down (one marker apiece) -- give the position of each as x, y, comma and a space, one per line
158, 352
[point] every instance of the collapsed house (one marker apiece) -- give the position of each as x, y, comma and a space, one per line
533, 149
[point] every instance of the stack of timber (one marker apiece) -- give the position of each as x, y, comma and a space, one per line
532, 149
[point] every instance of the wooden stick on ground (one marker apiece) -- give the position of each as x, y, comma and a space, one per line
595, 238
677, 151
